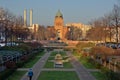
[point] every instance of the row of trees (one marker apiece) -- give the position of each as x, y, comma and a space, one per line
47, 33
74, 33
11, 26
106, 27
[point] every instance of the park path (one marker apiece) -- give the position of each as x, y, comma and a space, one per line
82, 72
37, 68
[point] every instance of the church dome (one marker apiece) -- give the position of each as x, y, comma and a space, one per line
59, 14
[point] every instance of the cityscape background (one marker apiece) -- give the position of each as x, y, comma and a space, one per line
73, 11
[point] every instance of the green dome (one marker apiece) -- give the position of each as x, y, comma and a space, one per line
59, 14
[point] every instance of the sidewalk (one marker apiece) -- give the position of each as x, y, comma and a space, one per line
37, 68
82, 72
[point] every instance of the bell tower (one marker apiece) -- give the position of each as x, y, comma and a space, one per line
59, 25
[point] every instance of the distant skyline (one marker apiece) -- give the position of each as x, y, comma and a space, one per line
44, 11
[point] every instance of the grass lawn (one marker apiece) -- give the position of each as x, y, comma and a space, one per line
55, 52
67, 65
16, 75
51, 65
58, 75
98, 75
86, 63
33, 61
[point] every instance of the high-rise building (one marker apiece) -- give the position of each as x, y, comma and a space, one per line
31, 17
25, 17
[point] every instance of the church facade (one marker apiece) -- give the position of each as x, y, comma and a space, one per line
59, 27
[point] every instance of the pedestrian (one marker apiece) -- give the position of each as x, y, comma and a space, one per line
30, 74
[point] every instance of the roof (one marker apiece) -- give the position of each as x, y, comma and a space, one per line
59, 14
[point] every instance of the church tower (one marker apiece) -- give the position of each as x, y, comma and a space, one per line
59, 25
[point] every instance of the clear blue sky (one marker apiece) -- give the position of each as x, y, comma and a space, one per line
44, 11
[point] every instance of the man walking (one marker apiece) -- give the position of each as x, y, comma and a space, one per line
30, 74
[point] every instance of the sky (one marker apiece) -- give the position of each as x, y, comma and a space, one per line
74, 11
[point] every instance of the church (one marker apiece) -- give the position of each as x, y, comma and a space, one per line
59, 27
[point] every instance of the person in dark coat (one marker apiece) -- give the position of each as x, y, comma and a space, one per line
30, 74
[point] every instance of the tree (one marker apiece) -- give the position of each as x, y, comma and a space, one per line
51, 33
107, 20
115, 15
6, 20
11, 26
74, 33
97, 32
41, 32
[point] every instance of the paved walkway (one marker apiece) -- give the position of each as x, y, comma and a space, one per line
37, 67
82, 72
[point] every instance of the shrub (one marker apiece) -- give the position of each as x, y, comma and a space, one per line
24, 58
98, 65
82, 45
101, 52
20, 64
10, 65
6, 73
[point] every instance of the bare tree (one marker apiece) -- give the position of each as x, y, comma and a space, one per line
6, 19
74, 33
115, 15
41, 32
12, 26
99, 31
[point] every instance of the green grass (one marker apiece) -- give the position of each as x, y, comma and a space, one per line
41, 54
51, 65
98, 75
51, 58
16, 75
33, 61
59, 52
58, 75
87, 64
67, 65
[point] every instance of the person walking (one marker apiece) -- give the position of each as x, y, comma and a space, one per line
30, 74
